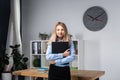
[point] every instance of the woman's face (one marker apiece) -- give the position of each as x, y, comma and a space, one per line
60, 32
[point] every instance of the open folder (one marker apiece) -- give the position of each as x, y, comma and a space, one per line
59, 47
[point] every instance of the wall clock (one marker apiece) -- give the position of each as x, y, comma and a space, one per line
95, 18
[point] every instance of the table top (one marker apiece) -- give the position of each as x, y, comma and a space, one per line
87, 74
33, 72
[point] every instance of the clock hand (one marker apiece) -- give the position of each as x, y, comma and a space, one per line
99, 20
91, 17
99, 15
96, 18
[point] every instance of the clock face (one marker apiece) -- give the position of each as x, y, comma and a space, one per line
95, 18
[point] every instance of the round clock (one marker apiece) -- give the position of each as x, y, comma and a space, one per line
95, 18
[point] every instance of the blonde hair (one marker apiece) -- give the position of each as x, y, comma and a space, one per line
53, 37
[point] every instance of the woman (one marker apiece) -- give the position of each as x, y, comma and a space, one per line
58, 70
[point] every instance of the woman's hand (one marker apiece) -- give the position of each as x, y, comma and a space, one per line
52, 61
66, 53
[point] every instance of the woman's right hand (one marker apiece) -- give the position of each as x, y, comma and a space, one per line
66, 53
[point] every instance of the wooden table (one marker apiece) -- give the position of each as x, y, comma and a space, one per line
75, 74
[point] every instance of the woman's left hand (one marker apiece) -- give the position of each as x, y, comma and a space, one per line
52, 61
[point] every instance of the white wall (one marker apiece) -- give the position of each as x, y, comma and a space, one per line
41, 16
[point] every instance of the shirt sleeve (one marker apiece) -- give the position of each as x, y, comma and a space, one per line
50, 56
69, 58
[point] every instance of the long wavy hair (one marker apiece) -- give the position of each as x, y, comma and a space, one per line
53, 37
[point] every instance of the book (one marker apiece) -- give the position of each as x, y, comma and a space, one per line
34, 48
43, 70
59, 47
39, 47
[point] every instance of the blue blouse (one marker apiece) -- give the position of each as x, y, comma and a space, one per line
59, 59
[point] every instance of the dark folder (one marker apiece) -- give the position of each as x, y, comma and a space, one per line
59, 47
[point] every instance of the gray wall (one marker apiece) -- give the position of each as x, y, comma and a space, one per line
41, 16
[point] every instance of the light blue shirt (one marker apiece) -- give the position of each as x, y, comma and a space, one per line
59, 60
